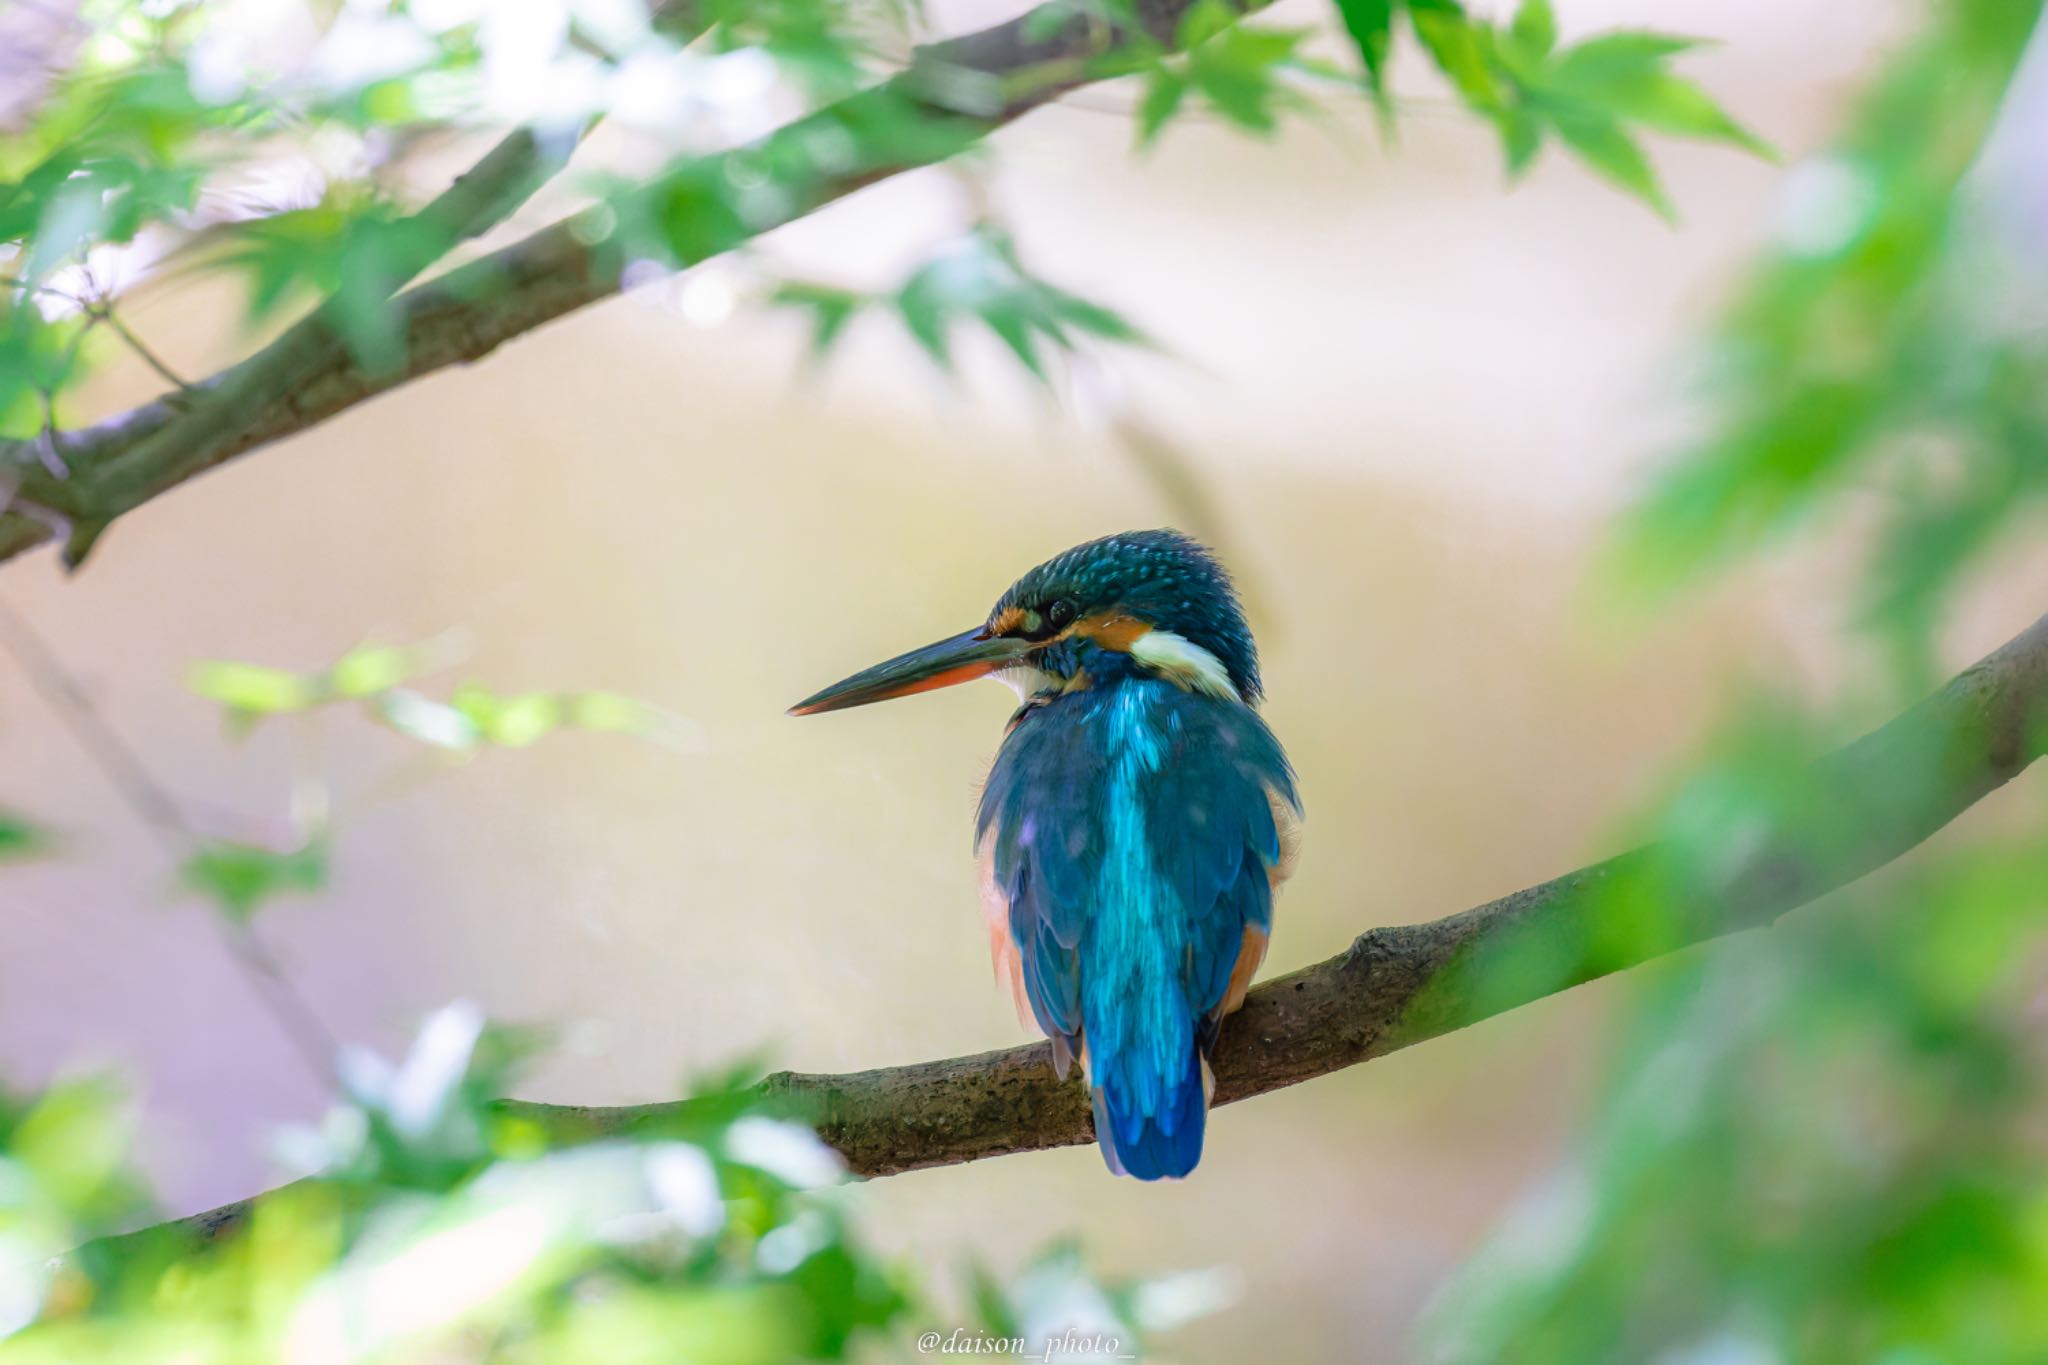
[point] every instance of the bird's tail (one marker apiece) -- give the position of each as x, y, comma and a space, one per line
1149, 1125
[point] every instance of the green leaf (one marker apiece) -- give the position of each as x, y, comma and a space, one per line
1371, 26
1623, 75
37, 355
991, 1304
1460, 50
1605, 55
20, 840
514, 722
830, 309
1094, 318
287, 256
251, 688
981, 278
72, 1149
1203, 21
1009, 320
1534, 29
241, 879
1521, 135
369, 670
1165, 89
1238, 74
1605, 146
610, 711
1673, 104
923, 306
378, 254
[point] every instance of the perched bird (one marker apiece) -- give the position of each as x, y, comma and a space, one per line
1134, 828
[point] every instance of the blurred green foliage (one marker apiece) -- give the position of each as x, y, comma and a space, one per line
1247, 74
276, 150
1592, 96
431, 1223
1824, 1144
241, 878
474, 716
1820, 1145
979, 279
19, 838
1888, 341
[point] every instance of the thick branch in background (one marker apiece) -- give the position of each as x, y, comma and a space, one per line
217, 412
1862, 806
952, 94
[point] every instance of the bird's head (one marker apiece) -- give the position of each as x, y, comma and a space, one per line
1142, 603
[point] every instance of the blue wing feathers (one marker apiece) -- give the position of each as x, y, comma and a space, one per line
1134, 831
1052, 971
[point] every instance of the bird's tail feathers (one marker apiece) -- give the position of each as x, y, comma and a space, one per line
1152, 1140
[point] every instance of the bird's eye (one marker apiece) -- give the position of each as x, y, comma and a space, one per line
1060, 614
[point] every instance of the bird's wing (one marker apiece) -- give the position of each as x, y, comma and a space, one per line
1221, 812
1040, 846
1217, 815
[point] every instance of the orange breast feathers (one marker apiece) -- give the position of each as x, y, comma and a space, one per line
995, 909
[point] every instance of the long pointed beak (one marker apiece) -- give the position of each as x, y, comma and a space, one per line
975, 654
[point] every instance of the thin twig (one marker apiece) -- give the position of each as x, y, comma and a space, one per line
31, 287
157, 810
49, 448
104, 310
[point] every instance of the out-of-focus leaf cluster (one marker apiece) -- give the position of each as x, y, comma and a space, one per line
19, 838
1595, 97
431, 1221
1249, 75
240, 877
1823, 1144
980, 280
271, 142
1818, 1146
375, 677
432, 1224
1889, 343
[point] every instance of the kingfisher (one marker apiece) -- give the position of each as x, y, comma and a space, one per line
1135, 826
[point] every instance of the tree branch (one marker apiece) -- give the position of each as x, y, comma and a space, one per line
1394, 987
185, 432
960, 90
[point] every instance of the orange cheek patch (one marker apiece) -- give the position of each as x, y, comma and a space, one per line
1117, 632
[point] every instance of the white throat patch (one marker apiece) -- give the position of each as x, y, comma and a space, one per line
1026, 681
1184, 662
